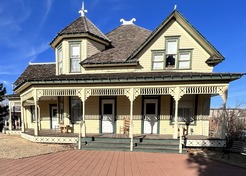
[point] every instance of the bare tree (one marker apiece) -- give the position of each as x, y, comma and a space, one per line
234, 121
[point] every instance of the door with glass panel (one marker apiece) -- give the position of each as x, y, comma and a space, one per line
150, 116
108, 116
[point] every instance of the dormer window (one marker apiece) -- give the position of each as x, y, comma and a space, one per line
59, 54
75, 57
172, 57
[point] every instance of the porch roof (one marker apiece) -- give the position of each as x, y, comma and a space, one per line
32, 75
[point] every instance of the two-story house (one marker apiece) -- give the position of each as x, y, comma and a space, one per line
157, 79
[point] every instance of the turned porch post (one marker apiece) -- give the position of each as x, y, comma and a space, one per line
223, 125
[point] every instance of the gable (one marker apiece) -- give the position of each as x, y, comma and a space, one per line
204, 55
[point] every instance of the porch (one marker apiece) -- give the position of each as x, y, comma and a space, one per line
140, 142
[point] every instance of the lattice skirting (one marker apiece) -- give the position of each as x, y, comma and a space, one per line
204, 143
44, 139
12, 132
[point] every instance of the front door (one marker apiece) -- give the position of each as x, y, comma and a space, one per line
108, 114
150, 116
54, 117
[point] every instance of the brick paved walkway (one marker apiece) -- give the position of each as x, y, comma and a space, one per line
75, 162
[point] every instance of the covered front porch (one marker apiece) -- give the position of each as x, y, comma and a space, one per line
150, 109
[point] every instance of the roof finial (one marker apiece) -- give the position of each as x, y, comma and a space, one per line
175, 7
82, 10
124, 22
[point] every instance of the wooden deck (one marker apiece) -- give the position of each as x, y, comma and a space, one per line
108, 163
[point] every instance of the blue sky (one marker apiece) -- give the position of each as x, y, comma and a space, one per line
28, 26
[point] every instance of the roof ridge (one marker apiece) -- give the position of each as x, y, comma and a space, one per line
87, 19
86, 25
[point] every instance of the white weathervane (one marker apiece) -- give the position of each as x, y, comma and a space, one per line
82, 10
124, 22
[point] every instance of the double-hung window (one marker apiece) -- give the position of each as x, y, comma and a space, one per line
74, 57
171, 53
59, 53
158, 60
184, 59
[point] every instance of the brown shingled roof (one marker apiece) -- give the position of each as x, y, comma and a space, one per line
82, 25
38, 71
46, 73
125, 39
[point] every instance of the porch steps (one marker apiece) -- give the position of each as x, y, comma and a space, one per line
123, 144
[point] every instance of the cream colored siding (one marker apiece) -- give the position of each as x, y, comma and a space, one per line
45, 113
165, 127
93, 47
66, 54
199, 55
92, 115
123, 111
123, 106
92, 126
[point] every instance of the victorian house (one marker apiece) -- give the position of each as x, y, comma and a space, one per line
158, 80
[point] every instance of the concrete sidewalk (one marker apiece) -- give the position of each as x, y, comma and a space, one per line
75, 162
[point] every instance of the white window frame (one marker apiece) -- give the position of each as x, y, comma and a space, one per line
171, 53
159, 61
75, 59
184, 60
60, 60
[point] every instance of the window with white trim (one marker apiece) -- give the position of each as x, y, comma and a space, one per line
60, 58
158, 60
171, 53
74, 57
184, 59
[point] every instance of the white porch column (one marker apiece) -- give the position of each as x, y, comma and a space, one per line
10, 116
175, 127
83, 125
176, 97
131, 125
131, 98
223, 127
36, 129
22, 117
83, 120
